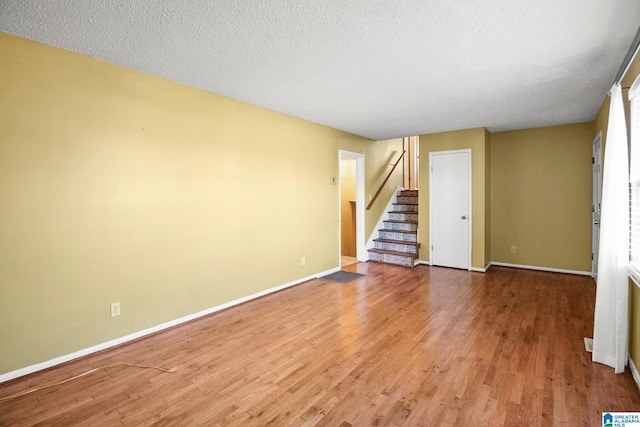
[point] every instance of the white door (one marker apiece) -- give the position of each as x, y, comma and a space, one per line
450, 208
596, 202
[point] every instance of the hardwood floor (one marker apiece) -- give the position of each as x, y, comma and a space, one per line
347, 260
398, 347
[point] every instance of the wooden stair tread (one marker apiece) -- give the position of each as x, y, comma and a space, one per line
398, 231
402, 212
399, 242
407, 203
398, 221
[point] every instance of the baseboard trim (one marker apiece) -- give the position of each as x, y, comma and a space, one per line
12, 375
423, 262
482, 270
526, 267
535, 267
634, 371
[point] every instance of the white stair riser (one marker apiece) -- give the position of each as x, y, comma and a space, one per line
406, 261
407, 200
404, 226
405, 216
397, 247
394, 235
406, 208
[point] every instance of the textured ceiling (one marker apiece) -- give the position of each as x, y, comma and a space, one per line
379, 69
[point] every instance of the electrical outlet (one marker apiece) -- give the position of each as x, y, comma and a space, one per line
115, 309
303, 261
513, 249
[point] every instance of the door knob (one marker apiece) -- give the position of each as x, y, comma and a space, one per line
464, 217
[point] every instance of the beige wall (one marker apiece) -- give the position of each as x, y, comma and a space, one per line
601, 121
531, 189
634, 322
380, 156
487, 199
119, 186
476, 140
541, 196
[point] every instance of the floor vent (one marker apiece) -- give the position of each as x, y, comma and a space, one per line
588, 344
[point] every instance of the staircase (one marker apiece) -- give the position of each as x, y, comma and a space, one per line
397, 242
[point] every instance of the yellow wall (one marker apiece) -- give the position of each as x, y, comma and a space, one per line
634, 322
348, 207
119, 186
379, 160
531, 189
601, 121
541, 196
487, 199
475, 139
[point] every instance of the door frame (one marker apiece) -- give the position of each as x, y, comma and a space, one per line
595, 236
470, 221
411, 162
361, 252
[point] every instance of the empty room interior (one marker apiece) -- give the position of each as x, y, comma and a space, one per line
330, 213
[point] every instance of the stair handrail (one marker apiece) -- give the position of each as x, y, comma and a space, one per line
385, 181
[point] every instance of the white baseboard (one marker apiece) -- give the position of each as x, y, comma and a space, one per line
526, 267
481, 270
139, 334
634, 371
535, 267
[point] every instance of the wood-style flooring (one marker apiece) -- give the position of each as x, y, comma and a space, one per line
398, 347
347, 260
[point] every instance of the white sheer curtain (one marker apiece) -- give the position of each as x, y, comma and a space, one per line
610, 327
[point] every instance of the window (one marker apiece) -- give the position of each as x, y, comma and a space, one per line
634, 178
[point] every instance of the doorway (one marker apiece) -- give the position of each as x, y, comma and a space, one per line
596, 161
351, 207
450, 208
